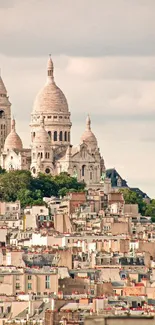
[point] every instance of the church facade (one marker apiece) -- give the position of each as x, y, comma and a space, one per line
51, 151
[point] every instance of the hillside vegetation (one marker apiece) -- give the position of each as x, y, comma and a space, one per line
20, 185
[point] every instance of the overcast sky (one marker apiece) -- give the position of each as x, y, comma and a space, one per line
104, 59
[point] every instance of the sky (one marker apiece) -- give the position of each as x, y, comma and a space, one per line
104, 61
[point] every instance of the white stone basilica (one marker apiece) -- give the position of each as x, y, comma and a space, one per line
51, 150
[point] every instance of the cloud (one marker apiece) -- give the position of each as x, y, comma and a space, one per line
87, 28
120, 67
7, 3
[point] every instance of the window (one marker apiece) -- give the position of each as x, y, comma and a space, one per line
29, 286
47, 282
91, 175
17, 286
29, 277
17, 277
60, 136
49, 133
60, 116
33, 170
65, 136
41, 154
47, 171
55, 135
83, 170
68, 136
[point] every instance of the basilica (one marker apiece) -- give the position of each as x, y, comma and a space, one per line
51, 151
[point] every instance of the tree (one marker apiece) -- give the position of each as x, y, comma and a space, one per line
2, 171
132, 197
64, 180
12, 182
27, 197
46, 184
150, 209
63, 191
20, 185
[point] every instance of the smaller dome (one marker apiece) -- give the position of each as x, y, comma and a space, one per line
13, 141
41, 137
88, 136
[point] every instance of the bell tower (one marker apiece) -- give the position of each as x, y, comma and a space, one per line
5, 114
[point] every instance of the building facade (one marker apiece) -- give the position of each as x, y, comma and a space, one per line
5, 114
51, 150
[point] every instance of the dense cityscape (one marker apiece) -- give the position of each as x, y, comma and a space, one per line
77, 244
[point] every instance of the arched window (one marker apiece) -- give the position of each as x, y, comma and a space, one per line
65, 136
60, 136
68, 136
55, 135
46, 155
91, 172
83, 170
41, 154
49, 133
33, 170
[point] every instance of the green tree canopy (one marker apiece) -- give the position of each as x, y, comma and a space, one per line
20, 185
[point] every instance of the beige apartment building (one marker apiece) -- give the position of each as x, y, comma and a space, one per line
119, 320
29, 281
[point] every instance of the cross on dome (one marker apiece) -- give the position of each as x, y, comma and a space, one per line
88, 123
50, 69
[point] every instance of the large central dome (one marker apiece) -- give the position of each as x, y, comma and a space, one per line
50, 99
